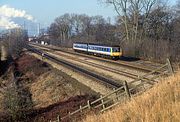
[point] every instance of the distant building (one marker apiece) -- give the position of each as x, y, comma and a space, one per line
44, 39
42, 42
30, 39
46, 36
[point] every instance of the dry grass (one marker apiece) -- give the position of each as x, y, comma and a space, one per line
51, 88
159, 104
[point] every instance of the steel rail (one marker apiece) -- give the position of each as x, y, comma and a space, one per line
103, 79
131, 66
120, 72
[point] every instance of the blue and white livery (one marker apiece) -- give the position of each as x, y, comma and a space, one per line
100, 50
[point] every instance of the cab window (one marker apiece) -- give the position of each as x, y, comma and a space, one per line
116, 49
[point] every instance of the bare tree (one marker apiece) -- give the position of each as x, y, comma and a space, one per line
63, 24
132, 14
13, 42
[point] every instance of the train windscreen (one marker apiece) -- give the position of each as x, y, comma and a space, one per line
115, 49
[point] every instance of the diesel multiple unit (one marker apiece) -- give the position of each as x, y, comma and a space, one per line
113, 52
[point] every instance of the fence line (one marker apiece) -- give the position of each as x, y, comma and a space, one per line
124, 92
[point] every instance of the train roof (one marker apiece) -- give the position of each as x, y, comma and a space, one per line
98, 44
80, 42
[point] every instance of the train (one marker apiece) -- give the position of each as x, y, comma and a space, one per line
113, 52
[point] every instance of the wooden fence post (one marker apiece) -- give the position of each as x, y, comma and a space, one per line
170, 67
69, 115
116, 94
102, 101
127, 89
141, 82
58, 118
80, 107
88, 103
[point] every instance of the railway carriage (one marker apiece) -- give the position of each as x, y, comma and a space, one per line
113, 52
97, 49
80, 47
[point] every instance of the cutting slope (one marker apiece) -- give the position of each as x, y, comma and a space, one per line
159, 104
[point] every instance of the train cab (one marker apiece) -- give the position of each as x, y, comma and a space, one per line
116, 52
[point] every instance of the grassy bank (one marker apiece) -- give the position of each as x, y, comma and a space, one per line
159, 104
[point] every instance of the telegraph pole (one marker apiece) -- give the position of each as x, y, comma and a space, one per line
38, 28
24, 25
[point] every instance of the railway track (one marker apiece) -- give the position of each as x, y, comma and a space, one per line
116, 71
149, 80
133, 90
137, 84
136, 66
102, 79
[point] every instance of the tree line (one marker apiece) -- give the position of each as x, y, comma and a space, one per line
83, 28
147, 29
12, 43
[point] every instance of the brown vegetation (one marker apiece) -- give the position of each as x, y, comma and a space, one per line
31, 67
61, 109
159, 104
32, 90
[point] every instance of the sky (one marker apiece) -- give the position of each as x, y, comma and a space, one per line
45, 11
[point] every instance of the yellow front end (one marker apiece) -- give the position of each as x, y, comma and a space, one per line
116, 54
